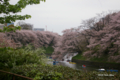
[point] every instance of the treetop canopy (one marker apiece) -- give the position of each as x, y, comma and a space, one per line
6, 8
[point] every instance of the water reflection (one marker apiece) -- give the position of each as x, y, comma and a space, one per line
78, 66
75, 66
64, 63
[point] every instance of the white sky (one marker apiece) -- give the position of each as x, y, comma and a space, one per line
59, 15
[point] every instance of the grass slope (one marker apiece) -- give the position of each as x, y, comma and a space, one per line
49, 50
79, 57
103, 59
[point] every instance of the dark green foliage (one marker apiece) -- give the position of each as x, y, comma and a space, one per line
38, 72
106, 51
96, 48
49, 72
10, 58
7, 8
101, 59
13, 57
79, 56
111, 45
116, 53
49, 50
10, 29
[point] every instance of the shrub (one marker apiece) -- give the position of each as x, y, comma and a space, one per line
10, 57
38, 72
49, 72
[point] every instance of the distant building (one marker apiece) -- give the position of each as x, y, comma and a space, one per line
38, 29
5, 24
10, 24
26, 26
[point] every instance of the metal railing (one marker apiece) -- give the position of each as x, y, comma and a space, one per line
16, 75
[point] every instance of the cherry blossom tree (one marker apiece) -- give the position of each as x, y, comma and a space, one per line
6, 42
71, 41
106, 40
36, 38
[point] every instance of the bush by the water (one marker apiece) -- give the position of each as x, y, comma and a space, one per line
49, 72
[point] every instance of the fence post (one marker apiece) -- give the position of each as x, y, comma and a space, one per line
13, 77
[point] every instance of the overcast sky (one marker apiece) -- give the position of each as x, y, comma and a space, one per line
59, 15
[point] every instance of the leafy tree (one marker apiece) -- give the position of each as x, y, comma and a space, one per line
7, 8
